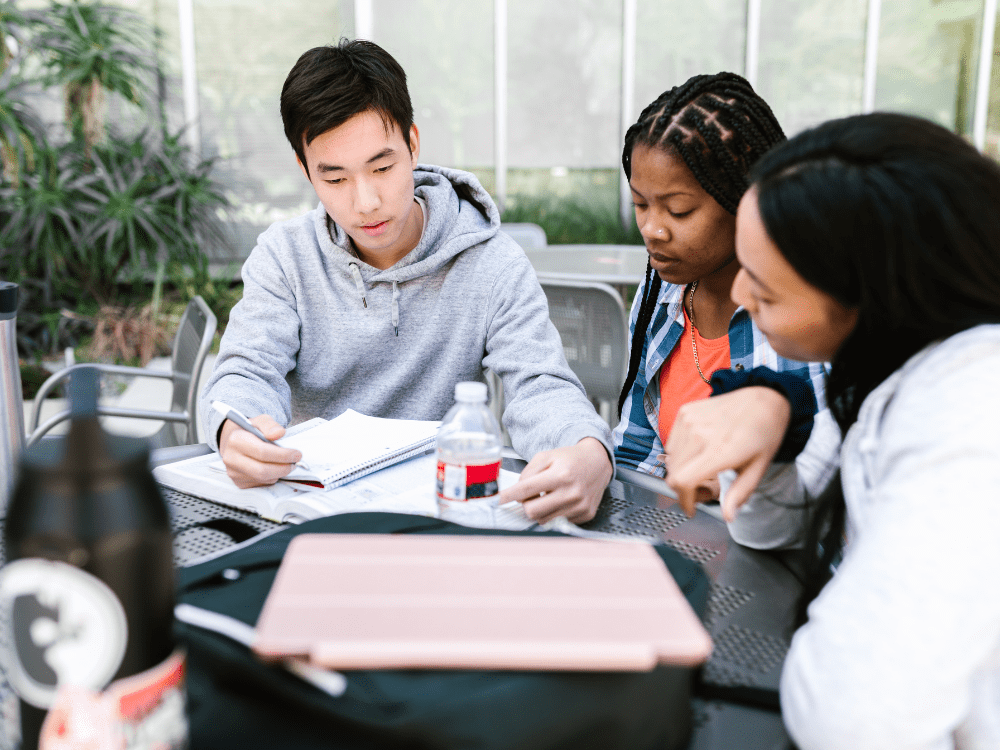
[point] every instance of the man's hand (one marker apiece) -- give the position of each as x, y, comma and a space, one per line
741, 430
563, 482
250, 462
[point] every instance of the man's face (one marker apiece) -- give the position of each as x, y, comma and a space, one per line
364, 178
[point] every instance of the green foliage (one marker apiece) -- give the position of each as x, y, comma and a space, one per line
220, 292
32, 377
83, 216
39, 228
45, 328
90, 229
91, 49
571, 221
21, 130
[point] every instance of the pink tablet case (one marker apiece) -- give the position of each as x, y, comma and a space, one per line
375, 601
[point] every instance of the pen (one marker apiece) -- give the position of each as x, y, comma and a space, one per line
229, 412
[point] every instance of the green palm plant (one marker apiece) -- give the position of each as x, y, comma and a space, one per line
143, 207
92, 49
21, 130
14, 24
22, 133
83, 220
124, 226
135, 204
42, 228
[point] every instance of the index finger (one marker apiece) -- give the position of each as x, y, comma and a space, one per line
687, 497
687, 477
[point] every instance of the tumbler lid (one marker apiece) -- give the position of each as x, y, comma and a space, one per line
8, 298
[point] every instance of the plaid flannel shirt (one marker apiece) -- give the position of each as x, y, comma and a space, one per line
636, 439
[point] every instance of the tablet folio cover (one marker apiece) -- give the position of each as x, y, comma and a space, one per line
360, 601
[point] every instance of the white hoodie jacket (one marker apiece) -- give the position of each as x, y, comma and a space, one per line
902, 647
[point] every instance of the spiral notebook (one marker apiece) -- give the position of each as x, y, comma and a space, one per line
353, 445
404, 486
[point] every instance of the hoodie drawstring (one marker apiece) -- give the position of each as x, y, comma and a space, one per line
395, 308
360, 284
356, 273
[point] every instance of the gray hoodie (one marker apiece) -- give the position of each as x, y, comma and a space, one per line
319, 331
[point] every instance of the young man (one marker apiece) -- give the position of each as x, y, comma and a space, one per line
396, 287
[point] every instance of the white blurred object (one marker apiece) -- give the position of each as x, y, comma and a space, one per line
81, 719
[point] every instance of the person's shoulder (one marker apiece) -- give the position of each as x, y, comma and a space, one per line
289, 244
951, 384
294, 232
970, 359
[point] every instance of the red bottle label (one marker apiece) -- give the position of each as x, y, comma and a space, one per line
467, 481
145, 710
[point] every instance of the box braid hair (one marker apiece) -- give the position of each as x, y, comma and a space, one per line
719, 126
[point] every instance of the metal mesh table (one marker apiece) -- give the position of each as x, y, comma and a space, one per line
750, 606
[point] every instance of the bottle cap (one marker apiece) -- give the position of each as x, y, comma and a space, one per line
470, 391
8, 299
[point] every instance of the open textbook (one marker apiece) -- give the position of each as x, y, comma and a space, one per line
407, 486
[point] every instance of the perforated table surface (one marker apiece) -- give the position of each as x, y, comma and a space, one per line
749, 610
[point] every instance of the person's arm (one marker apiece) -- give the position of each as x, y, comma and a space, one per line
753, 440
739, 431
550, 420
904, 641
258, 349
776, 513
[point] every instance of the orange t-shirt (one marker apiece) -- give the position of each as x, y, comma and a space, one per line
679, 378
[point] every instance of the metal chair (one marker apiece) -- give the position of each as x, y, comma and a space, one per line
591, 320
191, 345
529, 236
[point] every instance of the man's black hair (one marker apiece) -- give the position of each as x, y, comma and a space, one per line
328, 85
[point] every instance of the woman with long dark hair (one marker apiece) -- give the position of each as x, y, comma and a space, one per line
687, 159
874, 242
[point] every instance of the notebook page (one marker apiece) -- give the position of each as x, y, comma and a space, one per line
353, 440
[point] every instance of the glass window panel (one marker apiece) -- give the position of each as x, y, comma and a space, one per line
676, 40
812, 57
244, 51
992, 145
927, 62
446, 49
564, 83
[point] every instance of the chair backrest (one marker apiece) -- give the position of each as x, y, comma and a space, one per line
527, 235
191, 345
591, 320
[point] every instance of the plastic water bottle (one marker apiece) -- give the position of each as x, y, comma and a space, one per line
87, 594
469, 447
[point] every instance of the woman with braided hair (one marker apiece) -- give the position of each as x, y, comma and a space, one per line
687, 159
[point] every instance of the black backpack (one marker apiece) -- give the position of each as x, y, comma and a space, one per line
238, 701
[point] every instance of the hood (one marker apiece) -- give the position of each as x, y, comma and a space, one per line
460, 214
